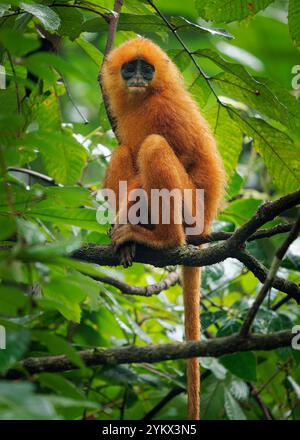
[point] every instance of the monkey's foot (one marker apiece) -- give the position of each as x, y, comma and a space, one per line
127, 254
122, 242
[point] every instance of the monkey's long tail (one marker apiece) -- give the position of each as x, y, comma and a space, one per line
191, 292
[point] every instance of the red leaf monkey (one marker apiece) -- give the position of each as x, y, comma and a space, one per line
165, 143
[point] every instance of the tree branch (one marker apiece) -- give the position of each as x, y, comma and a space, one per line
112, 28
152, 289
270, 278
156, 353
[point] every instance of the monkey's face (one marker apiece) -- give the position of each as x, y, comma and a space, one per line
137, 75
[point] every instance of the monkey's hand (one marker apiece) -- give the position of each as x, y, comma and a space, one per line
125, 249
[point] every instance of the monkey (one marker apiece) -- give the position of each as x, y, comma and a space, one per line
165, 142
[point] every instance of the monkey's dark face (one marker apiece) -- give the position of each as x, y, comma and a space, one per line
137, 75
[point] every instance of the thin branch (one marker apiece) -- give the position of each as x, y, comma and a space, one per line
33, 173
270, 277
161, 404
18, 96
112, 28
156, 353
262, 233
190, 54
266, 411
152, 289
261, 273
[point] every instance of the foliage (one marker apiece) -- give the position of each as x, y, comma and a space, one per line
52, 121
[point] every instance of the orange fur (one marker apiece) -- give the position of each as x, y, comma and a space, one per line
165, 143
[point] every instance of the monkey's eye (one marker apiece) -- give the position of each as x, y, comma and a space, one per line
128, 70
148, 71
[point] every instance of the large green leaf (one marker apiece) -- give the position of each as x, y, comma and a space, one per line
242, 365
228, 135
18, 402
71, 21
46, 15
294, 21
279, 152
64, 157
229, 10
152, 23
240, 85
82, 217
16, 345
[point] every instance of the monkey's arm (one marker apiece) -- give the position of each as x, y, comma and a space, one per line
121, 168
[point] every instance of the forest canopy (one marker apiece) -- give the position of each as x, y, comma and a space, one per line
78, 333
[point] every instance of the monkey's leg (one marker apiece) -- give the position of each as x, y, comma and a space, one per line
159, 168
121, 168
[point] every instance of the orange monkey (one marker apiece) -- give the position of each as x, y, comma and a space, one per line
165, 143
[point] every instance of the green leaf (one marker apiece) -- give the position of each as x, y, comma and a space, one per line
84, 218
57, 345
228, 135
180, 58
238, 388
71, 21
152, 23
239, 211
232, 10
50, 251
212, 399
7, 226
18, 44
90, 50
65, 295
242, 365
18, 402
294, 20
240, 85
59, 384
4, 8
12, 300
46, 15
279, 152
16, 345
64, 157
232, 407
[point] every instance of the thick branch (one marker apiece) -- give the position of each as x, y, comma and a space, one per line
157, 353
266, 212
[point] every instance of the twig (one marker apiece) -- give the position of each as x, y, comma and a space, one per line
266, 411
152, 289
190, 54
18, 96
270, 278
33, 173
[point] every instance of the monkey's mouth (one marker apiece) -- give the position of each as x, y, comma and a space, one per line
137, 89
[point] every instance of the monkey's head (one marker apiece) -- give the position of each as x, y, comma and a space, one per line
137, 67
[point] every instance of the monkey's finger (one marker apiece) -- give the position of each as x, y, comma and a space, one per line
109, 231
132, 250
125, 255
